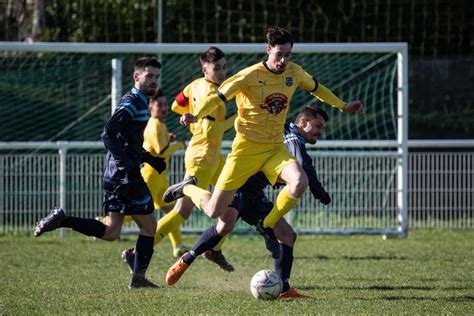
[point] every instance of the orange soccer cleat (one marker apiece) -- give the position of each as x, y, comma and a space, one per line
292, 294
176, 271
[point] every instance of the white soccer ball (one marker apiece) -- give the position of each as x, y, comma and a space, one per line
266, 285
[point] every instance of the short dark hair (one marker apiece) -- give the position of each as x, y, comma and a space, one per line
143, 62
211, 55
278, 36
158, 93
311, 112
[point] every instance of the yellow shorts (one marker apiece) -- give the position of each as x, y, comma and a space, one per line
247, 158
157, 184
206, 175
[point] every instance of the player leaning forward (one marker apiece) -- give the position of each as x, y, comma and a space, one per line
263, 93
125, 191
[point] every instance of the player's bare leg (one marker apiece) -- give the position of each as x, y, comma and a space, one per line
296, 183
208, 240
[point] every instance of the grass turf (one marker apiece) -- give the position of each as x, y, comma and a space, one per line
430, 272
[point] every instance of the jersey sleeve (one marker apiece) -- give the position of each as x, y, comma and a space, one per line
227, 91
326, 95
306, 81
151, 135
111, 134
181, 102
310, 84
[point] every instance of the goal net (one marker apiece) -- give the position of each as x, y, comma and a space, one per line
63, 92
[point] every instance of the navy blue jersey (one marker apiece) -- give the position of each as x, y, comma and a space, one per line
123, 135
296, 145
250, 199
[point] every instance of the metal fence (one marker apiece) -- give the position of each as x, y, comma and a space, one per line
362, 185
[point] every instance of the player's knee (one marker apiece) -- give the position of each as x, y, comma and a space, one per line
298, 186
111, 235
150, 229
227, 221
213, 210
292, 237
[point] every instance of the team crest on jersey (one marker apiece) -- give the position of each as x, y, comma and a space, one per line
289, 81
275, 103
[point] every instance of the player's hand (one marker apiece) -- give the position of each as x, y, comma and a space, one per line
158, 163
325, 198
354, 107
172, 137
187, 118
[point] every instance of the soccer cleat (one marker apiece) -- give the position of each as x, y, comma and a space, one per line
50, 222
139, 281
128, 256
175, 191
271, 242
179, 251
292, 294
176, 271
218, 258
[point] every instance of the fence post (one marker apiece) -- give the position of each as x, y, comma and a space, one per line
62, 146
116, 82
402, 140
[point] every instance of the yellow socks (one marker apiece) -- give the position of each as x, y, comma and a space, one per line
175, 235
284, 203
166, 224
195, 194
218, 247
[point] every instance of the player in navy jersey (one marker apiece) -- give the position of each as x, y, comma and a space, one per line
252, 205
125, 192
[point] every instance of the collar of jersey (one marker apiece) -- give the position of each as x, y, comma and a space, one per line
297, 134
273, 72
140, 94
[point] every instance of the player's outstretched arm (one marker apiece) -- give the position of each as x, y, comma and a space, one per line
326, 95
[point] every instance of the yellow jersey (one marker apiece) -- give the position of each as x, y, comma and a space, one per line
156, 139
263, 98
204, 148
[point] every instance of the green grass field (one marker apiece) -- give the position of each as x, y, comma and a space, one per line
430, 272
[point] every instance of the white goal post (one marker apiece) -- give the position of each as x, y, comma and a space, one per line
360, 153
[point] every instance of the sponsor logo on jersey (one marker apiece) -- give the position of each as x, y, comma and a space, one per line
275, 103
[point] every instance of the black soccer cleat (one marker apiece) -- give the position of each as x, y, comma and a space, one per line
128, 256
175, 191
271, 242
50, 222
139, 281
218, 258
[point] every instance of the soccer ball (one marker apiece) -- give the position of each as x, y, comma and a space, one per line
266, 285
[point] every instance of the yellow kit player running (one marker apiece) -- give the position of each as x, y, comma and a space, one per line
203, 158
159, 142
263, 93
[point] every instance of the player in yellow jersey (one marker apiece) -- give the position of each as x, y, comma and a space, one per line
203, 158
159, 143
263, 93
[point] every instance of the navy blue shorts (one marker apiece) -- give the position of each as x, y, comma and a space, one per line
133, 198
251, 210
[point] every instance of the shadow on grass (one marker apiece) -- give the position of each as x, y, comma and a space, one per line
322, 257
387, 288
463, 298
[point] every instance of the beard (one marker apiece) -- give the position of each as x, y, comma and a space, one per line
149, 90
